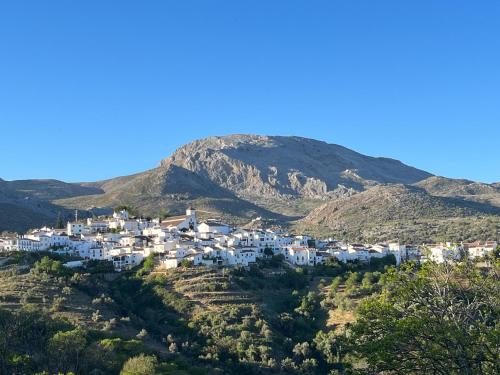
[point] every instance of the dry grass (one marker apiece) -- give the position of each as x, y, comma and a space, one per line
338, 318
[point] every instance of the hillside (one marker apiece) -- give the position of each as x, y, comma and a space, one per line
402, 212
266, 319
202, 320
464, 189
26, 204
49, 189
20, 210
169, 189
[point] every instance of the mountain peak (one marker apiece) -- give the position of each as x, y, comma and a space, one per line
286, 166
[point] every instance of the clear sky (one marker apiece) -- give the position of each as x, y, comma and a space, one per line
96, 89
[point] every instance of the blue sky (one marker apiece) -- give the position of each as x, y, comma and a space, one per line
96, 89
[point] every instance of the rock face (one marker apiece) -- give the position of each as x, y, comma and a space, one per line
287, 167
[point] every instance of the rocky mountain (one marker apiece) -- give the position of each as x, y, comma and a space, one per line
287, 167
247, 175
239, 177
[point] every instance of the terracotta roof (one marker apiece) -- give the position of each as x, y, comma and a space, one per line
173, 218
173, 222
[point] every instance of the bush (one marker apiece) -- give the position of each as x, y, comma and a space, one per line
51, 267
57, 303
67, 348
186, 263
147, 265
140, 365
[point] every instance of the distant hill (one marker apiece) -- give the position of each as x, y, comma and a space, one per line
464, 189
392, 212
240, 177
26, 204
49, 189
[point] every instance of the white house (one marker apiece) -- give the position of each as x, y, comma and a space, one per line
213, 226
165, 246
359, 252
231, 256
301, 241
170, 262
444, 253
43, 239
8, 244
125, 257
301, 255
173, 260
399, 252
121, 215
480, 250
94, 253
96, 226
75, 228
182, 222
155, 231
129, 225
28, 244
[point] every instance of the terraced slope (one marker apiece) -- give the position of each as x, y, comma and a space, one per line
209, 288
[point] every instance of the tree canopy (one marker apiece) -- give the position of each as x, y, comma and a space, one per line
438, 319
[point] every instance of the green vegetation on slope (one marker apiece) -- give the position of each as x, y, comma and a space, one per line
334, 319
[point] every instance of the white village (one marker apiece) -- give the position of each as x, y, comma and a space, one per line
185, 241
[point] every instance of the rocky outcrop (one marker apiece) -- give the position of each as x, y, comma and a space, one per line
287, 167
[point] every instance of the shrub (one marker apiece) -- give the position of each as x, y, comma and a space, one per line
140, 365
51, 267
